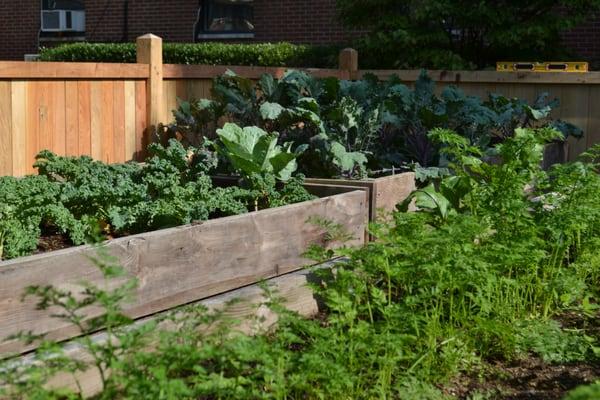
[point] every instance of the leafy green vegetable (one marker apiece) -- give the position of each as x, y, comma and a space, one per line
356, 128
86, 200
252, 150
473, 278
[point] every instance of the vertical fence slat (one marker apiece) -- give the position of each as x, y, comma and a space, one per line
573, 108
593, 116
84, 117
19, 127
32, 114
46, 115
96, 119
6, 158
119, 121
71, 118
181, 92
140, 119
129, 93
108, 123
58, 109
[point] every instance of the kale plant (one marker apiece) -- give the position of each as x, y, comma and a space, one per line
84, 200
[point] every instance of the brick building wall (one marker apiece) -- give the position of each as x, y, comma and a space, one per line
18, 28
308, 21
584, 41
172, 20
299, 21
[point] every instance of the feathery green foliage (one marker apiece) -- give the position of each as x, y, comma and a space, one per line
437, 294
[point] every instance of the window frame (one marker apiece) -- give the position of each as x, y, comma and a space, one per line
203, 33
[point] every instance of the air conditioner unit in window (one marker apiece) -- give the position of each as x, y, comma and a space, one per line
63, 21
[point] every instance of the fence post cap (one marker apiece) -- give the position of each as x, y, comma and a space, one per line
149, 36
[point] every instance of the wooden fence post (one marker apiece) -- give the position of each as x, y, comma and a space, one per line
348, 61
149, 51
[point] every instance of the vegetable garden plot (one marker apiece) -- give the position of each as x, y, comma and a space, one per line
178, 265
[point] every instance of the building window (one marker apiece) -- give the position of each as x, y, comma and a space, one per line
226, 19
62, 20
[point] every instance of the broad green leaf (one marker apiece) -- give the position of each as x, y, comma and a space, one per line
271, 111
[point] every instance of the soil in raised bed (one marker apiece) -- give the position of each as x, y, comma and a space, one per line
531, 378
527, 379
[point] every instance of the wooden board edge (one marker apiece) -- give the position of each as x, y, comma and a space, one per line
292, 288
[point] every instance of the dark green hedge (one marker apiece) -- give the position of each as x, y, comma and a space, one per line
262, 54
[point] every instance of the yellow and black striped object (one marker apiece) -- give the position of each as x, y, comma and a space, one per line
551, 66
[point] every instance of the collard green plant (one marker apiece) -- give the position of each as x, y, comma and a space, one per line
353, 129
254, 151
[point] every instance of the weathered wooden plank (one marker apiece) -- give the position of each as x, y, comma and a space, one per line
119, 122
6, 147
19, 127
71, 118
84, 117
71, 70
129, 91
385, 192
246, 304
97, 119
179, 265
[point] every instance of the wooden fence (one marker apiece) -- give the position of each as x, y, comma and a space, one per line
108, 111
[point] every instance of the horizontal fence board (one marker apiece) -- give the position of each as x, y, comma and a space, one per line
559, 78
175, 71
112, 127
178, 265
71, 70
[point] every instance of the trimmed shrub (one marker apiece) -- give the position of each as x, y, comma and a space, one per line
260, 54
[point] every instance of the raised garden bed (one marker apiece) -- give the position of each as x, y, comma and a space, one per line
555, 153
178, 265
381, 193
384, 193
240, 305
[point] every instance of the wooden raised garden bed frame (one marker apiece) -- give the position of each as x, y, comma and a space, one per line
383, 193
178, 265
